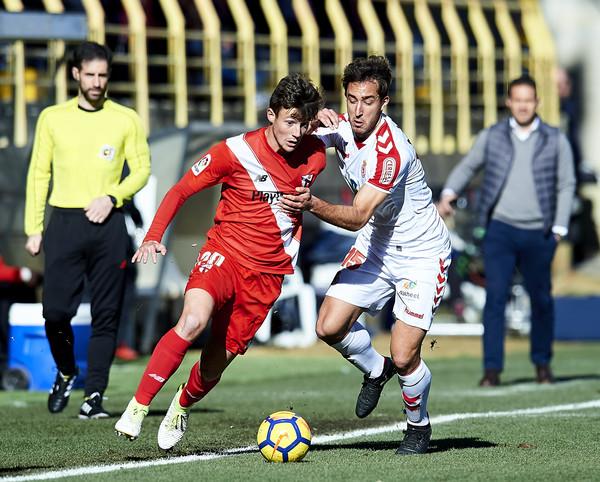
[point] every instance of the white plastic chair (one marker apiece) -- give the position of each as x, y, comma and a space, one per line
294, 286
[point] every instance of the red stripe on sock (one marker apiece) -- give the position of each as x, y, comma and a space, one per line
411, 400
196, 388
165, 360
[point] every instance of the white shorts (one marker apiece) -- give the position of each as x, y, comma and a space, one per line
369, 281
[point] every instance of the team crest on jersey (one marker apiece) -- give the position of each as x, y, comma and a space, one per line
307, 180
387, 172
363, 169
107, 152
200, 165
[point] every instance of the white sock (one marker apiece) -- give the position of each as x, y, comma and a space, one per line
357, 349
415, 391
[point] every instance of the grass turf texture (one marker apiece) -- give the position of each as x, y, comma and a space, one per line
322, 387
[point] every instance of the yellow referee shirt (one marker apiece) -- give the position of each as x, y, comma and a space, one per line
84, 152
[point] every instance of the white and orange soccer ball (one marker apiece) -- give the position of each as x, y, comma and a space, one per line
284, 437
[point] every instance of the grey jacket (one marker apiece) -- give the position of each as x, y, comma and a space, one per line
550, 164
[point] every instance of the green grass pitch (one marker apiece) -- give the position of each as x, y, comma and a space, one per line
506, 444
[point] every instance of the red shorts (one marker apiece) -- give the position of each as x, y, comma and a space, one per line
243, 296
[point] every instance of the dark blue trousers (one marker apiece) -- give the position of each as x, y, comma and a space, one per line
530, 251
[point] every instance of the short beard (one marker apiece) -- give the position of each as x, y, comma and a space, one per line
95, 102
527, 123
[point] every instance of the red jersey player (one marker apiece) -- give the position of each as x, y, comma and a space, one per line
240, 269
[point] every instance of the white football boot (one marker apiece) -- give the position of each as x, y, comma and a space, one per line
130, 423
174, 425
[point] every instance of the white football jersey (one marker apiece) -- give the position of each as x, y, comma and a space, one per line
406, 222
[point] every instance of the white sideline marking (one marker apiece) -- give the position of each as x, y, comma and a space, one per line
317, 440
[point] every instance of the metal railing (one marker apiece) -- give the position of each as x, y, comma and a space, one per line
452, 60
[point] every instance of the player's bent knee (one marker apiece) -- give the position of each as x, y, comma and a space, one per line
190, 326
405, 362
329, 332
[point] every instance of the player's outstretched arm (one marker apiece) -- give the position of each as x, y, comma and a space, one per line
351, 217
149, 249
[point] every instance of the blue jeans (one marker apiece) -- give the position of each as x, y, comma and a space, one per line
531, 251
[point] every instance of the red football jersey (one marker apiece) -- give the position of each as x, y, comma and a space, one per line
248, 221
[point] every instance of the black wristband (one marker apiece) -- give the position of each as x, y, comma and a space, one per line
112, 199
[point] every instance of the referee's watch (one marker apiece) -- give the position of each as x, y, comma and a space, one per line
112, 199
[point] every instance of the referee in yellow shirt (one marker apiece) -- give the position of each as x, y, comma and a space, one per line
82, 145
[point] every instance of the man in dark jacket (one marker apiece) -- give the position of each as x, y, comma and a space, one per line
525, 205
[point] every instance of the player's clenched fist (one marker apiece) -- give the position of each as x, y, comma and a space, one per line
296, 203
148, 248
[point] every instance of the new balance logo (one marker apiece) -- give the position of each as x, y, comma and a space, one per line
158, 378
261, 178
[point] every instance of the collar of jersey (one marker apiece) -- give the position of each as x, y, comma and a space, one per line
90, 110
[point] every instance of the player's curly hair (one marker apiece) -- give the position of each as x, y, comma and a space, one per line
295, 91
374, 67
87, 51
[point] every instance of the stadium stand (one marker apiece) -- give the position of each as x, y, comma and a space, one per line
453, 57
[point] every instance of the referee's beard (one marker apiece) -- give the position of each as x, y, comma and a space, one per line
95, 97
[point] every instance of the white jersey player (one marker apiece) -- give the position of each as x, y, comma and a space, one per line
403, 228
406, 220
402, 249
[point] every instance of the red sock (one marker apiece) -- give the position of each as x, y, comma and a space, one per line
165, 360
195, 388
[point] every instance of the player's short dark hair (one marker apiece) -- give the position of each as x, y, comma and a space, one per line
87, 51
295, 91
523, 80
374, 67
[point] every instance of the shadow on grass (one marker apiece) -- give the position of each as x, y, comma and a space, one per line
161, 413
23, 470
445, 444
437, 445
564, 379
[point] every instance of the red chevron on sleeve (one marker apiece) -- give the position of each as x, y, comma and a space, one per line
388, 160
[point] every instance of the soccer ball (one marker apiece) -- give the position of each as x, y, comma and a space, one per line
283, 437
